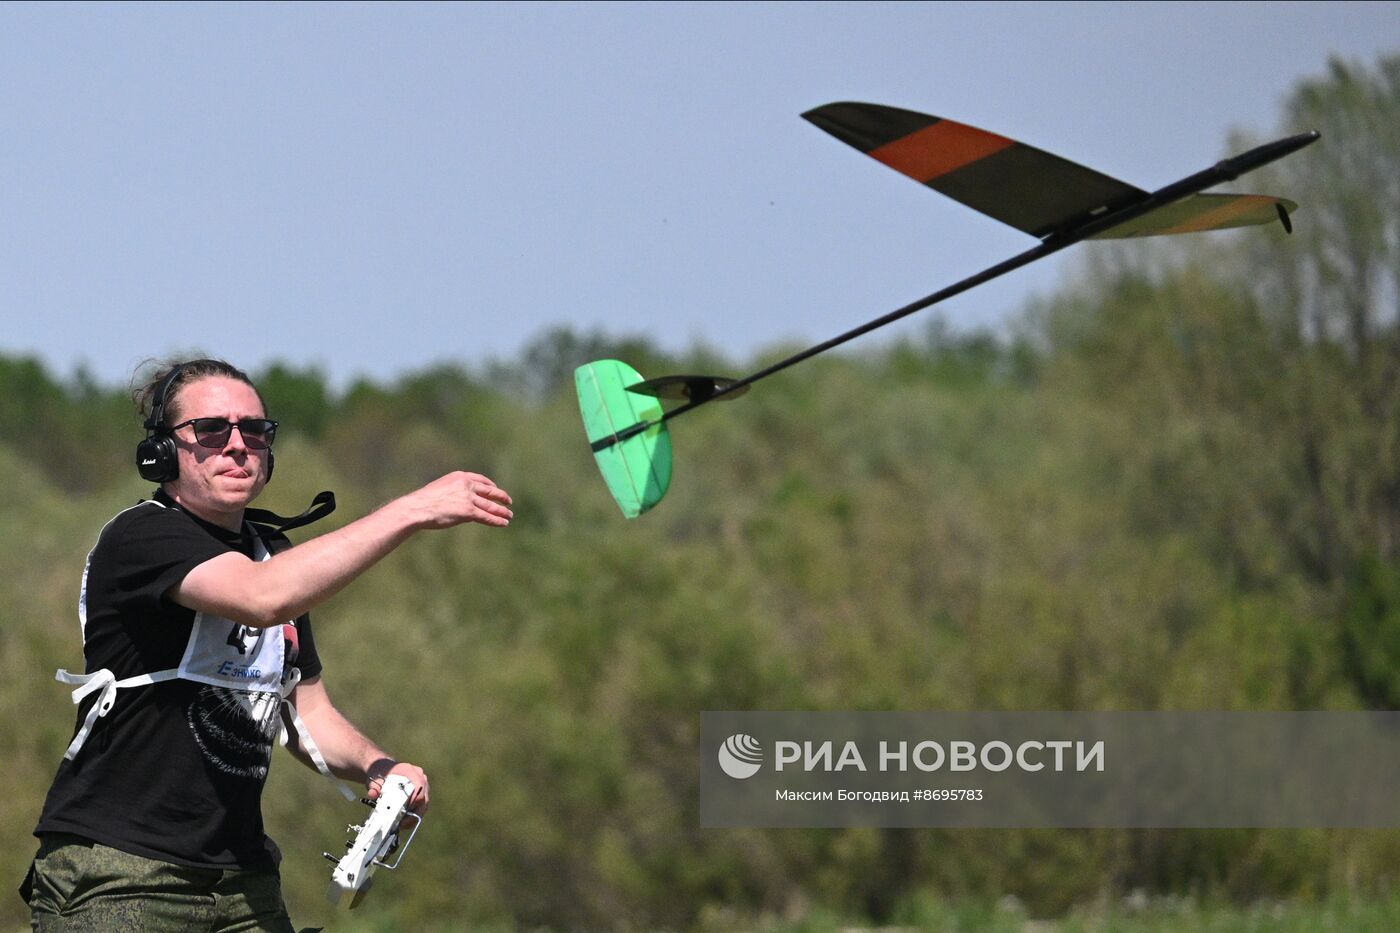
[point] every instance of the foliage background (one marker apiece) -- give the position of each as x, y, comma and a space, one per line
1175, 485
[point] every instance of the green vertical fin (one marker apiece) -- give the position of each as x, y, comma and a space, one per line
637, 469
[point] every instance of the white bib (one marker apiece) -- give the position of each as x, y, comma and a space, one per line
219, 652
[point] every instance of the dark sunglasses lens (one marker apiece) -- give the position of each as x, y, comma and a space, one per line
214, 432
211, 432
258, 433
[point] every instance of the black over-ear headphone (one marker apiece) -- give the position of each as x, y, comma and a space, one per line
156, 458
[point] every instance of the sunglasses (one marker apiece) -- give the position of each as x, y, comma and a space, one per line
257, 433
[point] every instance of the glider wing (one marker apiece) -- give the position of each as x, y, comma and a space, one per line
1027, 188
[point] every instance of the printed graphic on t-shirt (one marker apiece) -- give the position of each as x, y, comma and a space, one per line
234, 730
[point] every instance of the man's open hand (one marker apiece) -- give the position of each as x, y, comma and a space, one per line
460, 497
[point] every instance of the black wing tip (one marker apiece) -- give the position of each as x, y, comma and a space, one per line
822, 117
838, 106
807, 114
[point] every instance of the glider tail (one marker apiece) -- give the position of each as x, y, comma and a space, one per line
630, 442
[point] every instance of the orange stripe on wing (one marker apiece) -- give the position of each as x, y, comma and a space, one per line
938, 149
1220, 215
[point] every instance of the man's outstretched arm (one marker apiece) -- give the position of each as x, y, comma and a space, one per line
347, 751
265, 593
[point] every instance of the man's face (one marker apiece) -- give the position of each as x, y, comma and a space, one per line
217, 482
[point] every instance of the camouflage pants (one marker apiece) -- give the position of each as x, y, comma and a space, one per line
76, 884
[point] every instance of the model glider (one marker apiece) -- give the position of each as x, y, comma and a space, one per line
1053, 199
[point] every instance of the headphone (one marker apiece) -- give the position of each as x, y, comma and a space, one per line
156, 457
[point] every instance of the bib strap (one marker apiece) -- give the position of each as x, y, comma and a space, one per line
105, 684
313, 751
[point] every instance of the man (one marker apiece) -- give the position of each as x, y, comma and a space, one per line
195, 629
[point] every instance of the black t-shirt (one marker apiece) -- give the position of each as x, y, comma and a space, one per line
175, 770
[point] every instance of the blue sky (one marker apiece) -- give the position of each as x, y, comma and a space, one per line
374, 189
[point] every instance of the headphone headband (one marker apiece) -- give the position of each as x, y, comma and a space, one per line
153, 421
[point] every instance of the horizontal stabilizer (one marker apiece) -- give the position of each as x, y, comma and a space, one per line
688, 388
1027, 188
